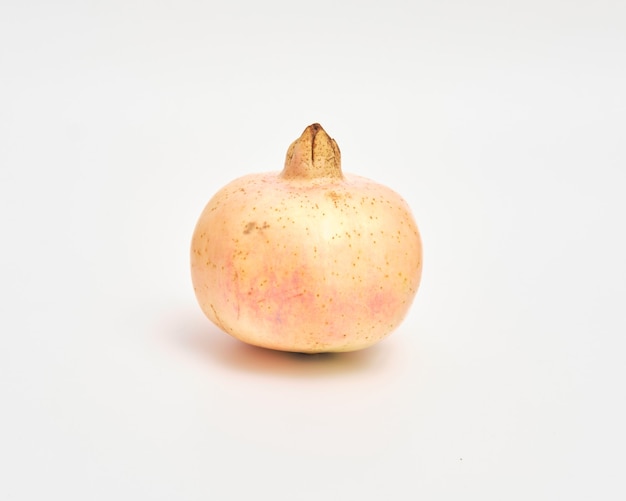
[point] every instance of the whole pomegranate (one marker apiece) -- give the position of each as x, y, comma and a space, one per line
309, 259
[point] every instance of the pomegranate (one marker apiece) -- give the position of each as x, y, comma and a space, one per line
306, 260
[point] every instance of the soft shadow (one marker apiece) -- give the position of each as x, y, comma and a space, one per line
200, 337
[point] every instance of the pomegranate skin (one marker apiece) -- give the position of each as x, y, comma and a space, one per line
306, 260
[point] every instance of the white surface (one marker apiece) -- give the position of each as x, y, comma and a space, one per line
501, 123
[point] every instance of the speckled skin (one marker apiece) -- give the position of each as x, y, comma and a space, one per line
307, 260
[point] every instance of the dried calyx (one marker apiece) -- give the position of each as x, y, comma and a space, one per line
313, 155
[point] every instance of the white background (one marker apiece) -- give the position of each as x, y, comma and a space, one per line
503, 124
